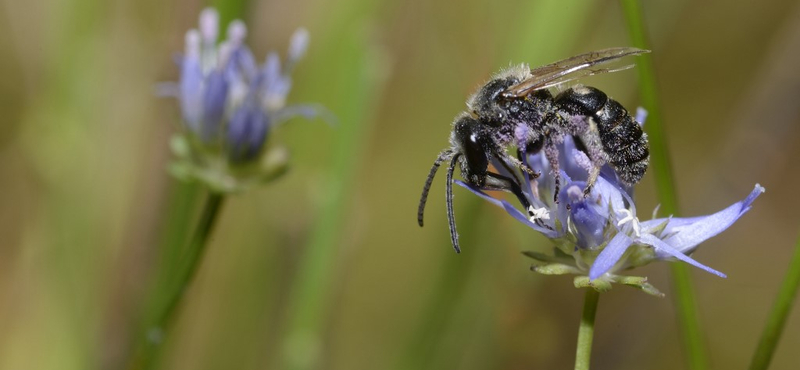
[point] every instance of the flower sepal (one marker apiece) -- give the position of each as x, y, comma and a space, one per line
201, 164
604, 283
579, 263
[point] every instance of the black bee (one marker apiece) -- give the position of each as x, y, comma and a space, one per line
516, 108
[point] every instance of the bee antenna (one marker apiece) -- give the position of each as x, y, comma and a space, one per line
443, 156
450, 215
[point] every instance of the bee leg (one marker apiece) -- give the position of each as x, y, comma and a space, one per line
522, 166
594, 150
498, 182
451, 218
443, 156
508, 168
593, 174
551, 153
502, 183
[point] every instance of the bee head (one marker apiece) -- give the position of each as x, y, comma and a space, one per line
471, 139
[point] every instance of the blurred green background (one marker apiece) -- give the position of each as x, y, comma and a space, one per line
86, 196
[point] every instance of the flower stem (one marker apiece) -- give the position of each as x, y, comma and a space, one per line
780, 312
194, 253
685, 300
176, 287
583, 353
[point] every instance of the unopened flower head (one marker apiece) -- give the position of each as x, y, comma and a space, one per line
600, 235
230, 103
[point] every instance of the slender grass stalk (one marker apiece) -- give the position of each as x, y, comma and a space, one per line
447, 290
583, 353
317, 267
685, 300
187, 268
780, 312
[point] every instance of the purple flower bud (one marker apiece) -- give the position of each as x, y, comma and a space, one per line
298, 45
247, 133
275, 85
190, 88
588, 223
209, 25
214, 99
237, 31
229, 103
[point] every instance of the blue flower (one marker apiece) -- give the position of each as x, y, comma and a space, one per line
230, 103
600, 235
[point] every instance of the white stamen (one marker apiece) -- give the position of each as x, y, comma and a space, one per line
629, 217
538, 213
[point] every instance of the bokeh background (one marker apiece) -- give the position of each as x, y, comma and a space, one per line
87, 203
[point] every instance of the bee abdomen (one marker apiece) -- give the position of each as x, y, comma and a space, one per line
622, 138
623, 141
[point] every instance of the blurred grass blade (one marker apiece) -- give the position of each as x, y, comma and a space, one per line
361, 70
780, 312
665, 185
448, 289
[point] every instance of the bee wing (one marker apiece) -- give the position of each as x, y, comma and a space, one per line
572, 68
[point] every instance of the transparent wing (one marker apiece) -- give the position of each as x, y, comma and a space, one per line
566, 70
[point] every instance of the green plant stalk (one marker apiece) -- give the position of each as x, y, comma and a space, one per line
780, 312
192, 257
448, 288
583, 353
685, 300
309, 297
230, 9
182, 207
159, 325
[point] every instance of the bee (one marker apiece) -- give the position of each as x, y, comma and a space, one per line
517, 108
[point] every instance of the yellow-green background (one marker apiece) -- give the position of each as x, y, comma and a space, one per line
84, 194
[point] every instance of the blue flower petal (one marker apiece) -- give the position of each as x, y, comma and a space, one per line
589, 224
665, 248
191, 83
509, 209
610, 255
246, 134
687, 235
214, 99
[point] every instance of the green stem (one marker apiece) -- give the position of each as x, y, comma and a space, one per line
583, 353
685, 300
780, 312
158, 327
194, 253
